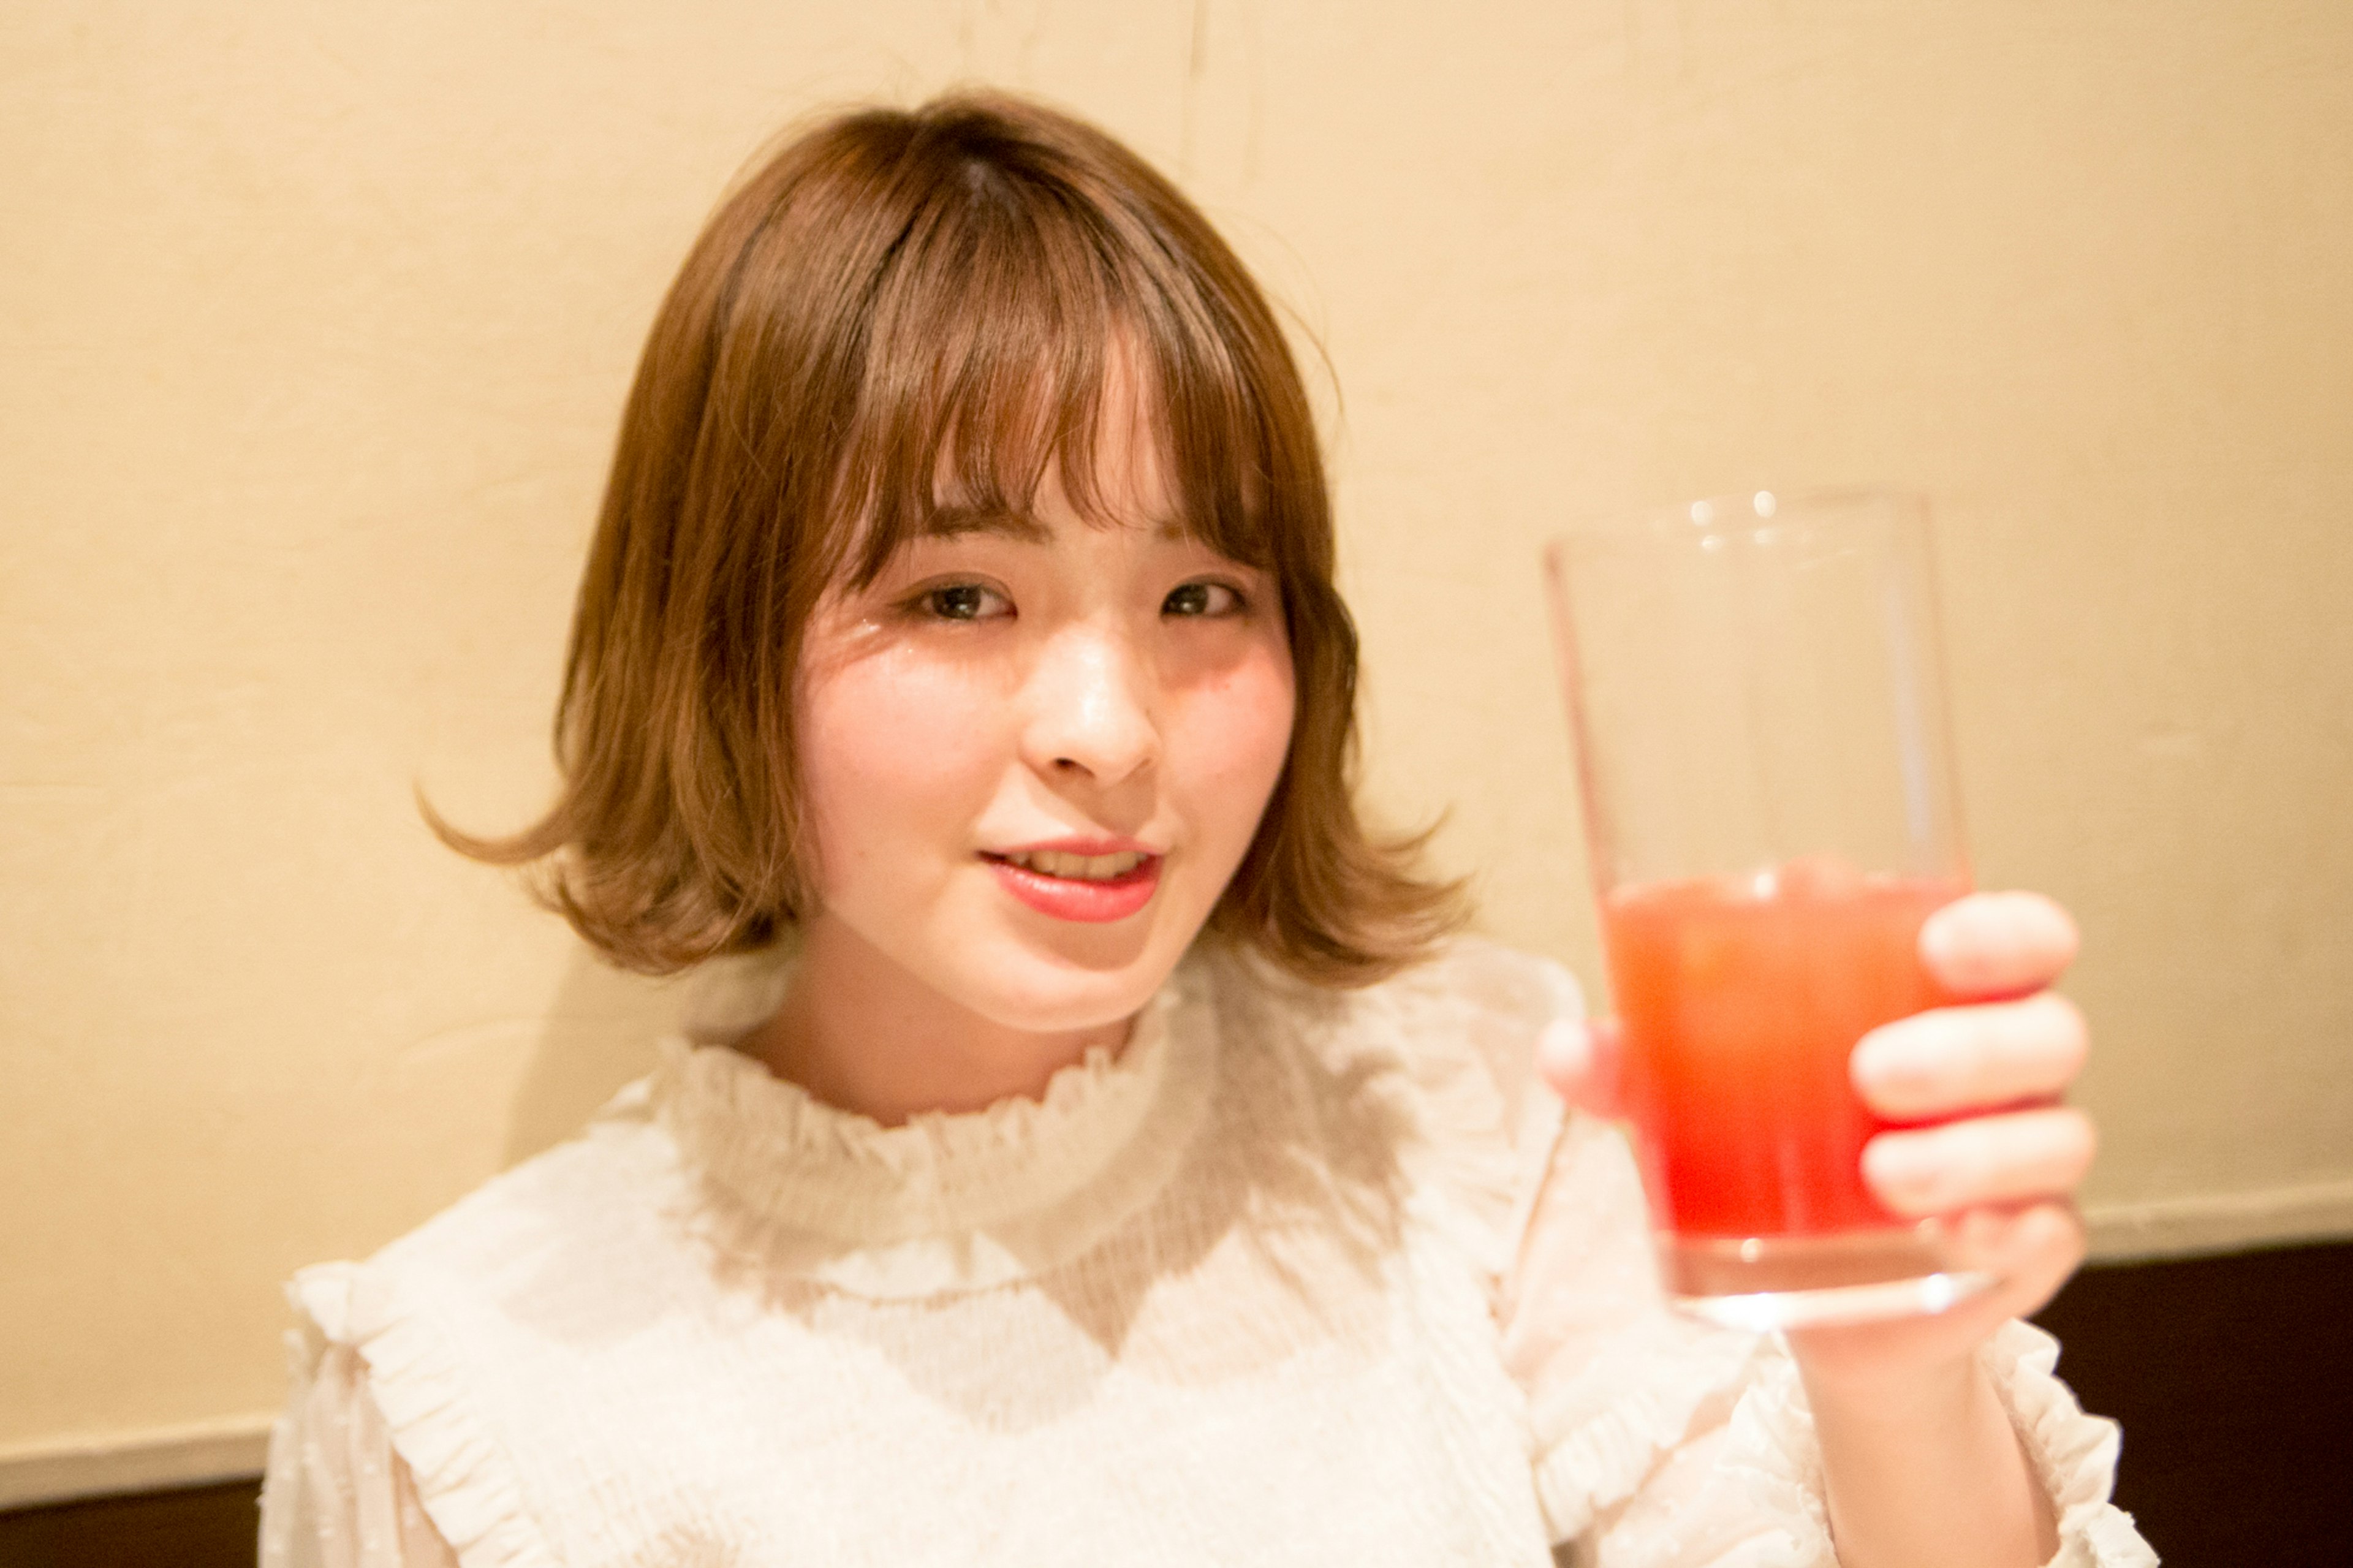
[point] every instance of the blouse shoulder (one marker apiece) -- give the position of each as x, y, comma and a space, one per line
388, 1348
1473, 1006
1448, 1046
1466, 1024
382, 1458
336, 1490
1490, 1003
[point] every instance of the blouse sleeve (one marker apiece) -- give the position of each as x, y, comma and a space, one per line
337, 1494
1664, 1442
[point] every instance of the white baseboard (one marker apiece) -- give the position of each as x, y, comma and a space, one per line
2225, 1222
205, 1452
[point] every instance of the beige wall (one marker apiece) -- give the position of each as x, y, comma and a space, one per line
313, 326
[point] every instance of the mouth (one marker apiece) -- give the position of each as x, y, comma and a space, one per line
1077, 867
1091, 889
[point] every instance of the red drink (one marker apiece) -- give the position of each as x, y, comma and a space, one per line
1741, 1002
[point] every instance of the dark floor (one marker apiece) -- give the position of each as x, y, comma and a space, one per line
2233, 1376
2233, 1379
199, 1527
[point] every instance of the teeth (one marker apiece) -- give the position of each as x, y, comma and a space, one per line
1081, 867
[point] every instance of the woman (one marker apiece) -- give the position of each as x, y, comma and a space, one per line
1088, 1144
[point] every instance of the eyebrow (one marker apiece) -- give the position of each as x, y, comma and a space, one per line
950, 523
954, 523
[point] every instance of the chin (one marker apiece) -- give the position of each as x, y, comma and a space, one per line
1052, 992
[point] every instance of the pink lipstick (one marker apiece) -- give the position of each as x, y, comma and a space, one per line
1089, 899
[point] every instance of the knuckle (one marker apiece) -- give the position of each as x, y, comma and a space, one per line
2071, 1036
2058, 1234
2049, 918
2078, 1237
2046, 1043
1985, 1154
1962, 1160
2083, 1140
2061, 1147
1895, 1068
1907, 1169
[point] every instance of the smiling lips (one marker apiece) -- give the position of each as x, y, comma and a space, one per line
1079, 881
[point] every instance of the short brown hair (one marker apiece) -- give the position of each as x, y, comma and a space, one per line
903, 313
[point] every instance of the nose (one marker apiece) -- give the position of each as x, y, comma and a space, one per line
1091, 706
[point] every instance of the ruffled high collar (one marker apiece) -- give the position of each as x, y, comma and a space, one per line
946, 1201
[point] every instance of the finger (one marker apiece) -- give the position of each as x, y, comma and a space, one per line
2026, 1252
1579, 1060
1998, 945
1980, 1159
1953, 1059
2030, 1250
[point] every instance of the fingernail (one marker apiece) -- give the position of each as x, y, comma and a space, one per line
1881, 1062
1945, 938
1907, 1054
1900, 1166
1564, 1050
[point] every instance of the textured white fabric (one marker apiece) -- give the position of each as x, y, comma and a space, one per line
1298, 1278
337, 1494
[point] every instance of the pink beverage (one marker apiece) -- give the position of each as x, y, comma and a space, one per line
1741, 1001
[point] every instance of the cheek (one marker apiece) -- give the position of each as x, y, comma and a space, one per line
889, 751
1238, 732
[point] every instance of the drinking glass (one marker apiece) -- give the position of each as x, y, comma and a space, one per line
1755, 698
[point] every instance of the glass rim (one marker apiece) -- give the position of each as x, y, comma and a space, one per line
1705, 515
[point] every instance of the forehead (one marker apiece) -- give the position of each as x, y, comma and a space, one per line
1117, 477
1021, 347
1066, 445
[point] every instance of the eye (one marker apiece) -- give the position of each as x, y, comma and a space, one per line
963, 601
1202, 599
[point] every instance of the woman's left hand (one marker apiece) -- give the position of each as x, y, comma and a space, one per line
1919, 1459
2002, 1162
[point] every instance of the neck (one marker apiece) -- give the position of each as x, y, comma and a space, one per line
862, 1033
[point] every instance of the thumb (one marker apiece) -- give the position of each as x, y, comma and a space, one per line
1579, 1060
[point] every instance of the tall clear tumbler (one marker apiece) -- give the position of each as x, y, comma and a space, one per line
1755, 693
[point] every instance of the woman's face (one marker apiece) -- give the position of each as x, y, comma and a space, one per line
1033, 752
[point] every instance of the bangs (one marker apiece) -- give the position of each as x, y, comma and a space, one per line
1012, 321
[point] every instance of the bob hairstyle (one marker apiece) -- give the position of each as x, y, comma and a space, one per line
904, 317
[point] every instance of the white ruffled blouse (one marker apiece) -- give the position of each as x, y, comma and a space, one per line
1298, 1277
